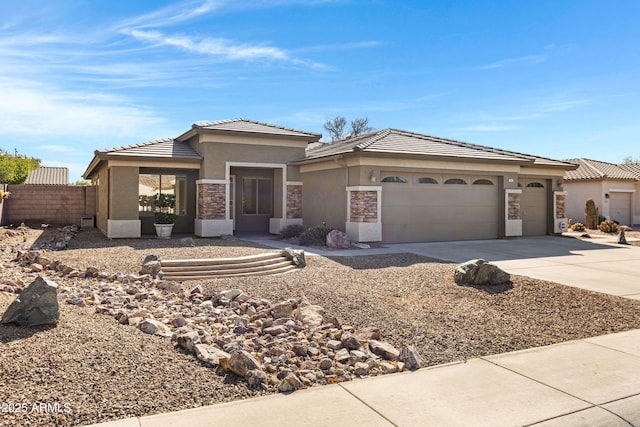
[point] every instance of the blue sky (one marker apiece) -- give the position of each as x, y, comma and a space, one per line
559, 79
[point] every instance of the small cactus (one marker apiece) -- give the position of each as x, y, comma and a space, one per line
578, 226
608, 226
591, 213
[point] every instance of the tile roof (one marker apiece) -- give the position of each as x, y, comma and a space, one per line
163, 148
596, 170
633, 168
46, 175
403, 142
252, 126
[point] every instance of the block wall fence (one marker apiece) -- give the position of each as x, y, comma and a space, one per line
47, 204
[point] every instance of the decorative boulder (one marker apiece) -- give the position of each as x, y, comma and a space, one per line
36, 305
242, 362
337, 239
479, 272
295, 255
151, 265
312, 315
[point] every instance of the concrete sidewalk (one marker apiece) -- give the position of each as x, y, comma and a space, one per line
585, 382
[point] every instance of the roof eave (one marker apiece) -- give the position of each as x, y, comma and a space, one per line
195, 130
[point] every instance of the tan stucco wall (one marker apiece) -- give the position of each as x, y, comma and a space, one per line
102, 199
278, 194
324, 198
217, 154
579, 191
636, 204
123, 200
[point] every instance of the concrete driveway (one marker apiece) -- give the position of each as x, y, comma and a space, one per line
597, 264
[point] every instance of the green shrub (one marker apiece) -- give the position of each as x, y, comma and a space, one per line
608, 226
577, 226
291, 231
316, 235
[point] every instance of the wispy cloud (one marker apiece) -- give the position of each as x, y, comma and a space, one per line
514, 62
32, 108
171, 15
145, 29
210, 46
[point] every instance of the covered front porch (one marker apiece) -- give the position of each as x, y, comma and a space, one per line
254, 197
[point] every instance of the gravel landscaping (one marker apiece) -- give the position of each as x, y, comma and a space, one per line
96, 369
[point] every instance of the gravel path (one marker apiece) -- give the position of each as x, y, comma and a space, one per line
102, 370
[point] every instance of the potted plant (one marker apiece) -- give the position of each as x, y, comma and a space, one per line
164, 216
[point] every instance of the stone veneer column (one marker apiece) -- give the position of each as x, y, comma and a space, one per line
212, 218
294, 201
364, 206
559, 211
292, 207
212, 201
513, 213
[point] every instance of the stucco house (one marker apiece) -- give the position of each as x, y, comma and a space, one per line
612, 187
389, 185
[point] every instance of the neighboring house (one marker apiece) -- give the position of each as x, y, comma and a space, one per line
390, 185
612, 187
45, 175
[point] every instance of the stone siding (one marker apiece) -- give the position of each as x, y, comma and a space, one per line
364, 206
514, 206
211, 201
294, 201
560, 206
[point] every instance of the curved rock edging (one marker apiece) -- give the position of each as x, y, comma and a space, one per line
287, 345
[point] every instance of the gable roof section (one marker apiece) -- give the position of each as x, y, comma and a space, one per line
596, 170
46, 175
250, 127
402, 142
167, 148
633, 168
162, 148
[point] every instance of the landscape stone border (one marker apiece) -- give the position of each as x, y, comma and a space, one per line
288, 345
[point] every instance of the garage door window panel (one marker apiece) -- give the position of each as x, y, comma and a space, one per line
397, 179
426, 180
455, 181
483, 181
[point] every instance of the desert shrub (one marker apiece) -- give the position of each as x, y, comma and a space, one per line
316, 235
291, 231
570, 223
608, 226
577, 226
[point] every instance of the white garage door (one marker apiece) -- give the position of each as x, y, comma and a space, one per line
621, 207
534, 208
427, 208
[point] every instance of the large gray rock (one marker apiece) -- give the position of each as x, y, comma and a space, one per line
295, 255
337, 239
154, 327
152, 267
411, 358
312, 315
479, 272
36, 305
384, 350
212, 355
242, 362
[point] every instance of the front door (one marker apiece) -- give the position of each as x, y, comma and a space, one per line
254, 204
